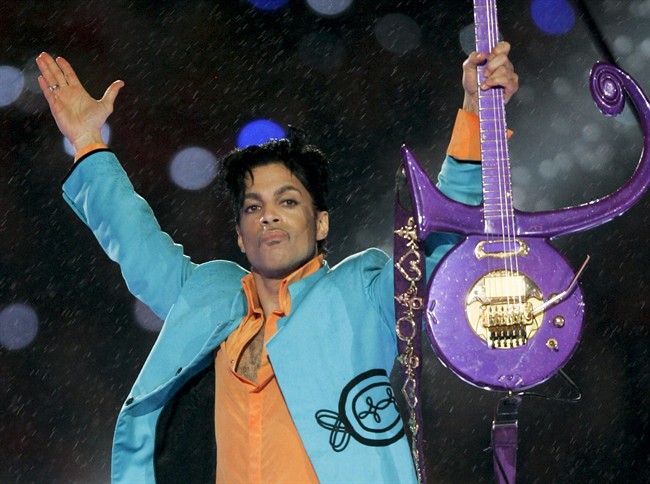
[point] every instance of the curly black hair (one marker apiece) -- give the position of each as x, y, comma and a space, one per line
303, 160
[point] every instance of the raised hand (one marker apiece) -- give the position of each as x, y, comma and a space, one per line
79, 117
499, 71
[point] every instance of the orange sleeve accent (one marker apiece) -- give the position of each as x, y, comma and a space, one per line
465, 139
465, 144
88, 149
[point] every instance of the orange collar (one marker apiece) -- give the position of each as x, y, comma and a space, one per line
284, 298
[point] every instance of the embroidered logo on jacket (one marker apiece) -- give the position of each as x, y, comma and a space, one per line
367, 412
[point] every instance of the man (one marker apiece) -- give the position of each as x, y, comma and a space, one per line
301, 352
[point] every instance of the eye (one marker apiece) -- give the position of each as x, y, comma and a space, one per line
250, 208
290, 202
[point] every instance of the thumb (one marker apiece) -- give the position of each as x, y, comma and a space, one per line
111, 93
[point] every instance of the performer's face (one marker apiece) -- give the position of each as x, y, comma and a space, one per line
278, 227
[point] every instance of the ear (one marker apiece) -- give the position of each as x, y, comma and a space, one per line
240, 241
322, 225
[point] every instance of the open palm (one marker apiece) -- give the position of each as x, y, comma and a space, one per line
78, 116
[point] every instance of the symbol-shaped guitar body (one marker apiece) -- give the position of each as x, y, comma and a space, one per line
480, 314
504, 310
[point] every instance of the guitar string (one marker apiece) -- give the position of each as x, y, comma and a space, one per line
488, 171
489, 132
504, 178
492, 95
510, 201
498, 125
494, 98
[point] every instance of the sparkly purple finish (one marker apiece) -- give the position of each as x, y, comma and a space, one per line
468, 355
438, 213
456, 344
451, 335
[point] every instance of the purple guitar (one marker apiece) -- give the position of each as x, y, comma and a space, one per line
504, 308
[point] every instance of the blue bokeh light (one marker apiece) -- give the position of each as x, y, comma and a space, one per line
398, 33
268, 5
329, 8
259, 131
193, 168
12, 83
18, 326
554, 17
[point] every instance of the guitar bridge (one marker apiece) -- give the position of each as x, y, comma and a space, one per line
499, 307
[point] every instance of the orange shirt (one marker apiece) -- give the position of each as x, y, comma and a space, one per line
257, 440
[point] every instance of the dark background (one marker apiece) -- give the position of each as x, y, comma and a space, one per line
196, 72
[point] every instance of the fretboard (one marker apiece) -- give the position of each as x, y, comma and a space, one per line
497, 186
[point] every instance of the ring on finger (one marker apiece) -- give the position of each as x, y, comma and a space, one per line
54, 87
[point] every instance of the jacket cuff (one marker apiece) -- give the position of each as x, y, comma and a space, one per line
88, 149
83, 154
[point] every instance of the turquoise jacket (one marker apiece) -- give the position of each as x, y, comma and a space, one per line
331, 356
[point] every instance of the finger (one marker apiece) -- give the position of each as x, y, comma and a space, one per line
495, 72
50, 70
475, 59
502, 48
501, 76
509, 83
42, 61
501, 72
68, 71
500, 61
45, 87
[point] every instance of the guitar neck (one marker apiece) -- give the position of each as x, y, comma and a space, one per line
497, 186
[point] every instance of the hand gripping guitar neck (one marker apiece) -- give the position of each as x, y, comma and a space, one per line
504, 310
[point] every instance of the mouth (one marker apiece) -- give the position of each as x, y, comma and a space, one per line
273, 237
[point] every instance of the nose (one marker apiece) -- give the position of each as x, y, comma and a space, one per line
269, 216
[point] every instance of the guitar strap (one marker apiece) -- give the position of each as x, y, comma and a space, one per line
409, 286
504, 440
409, 280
